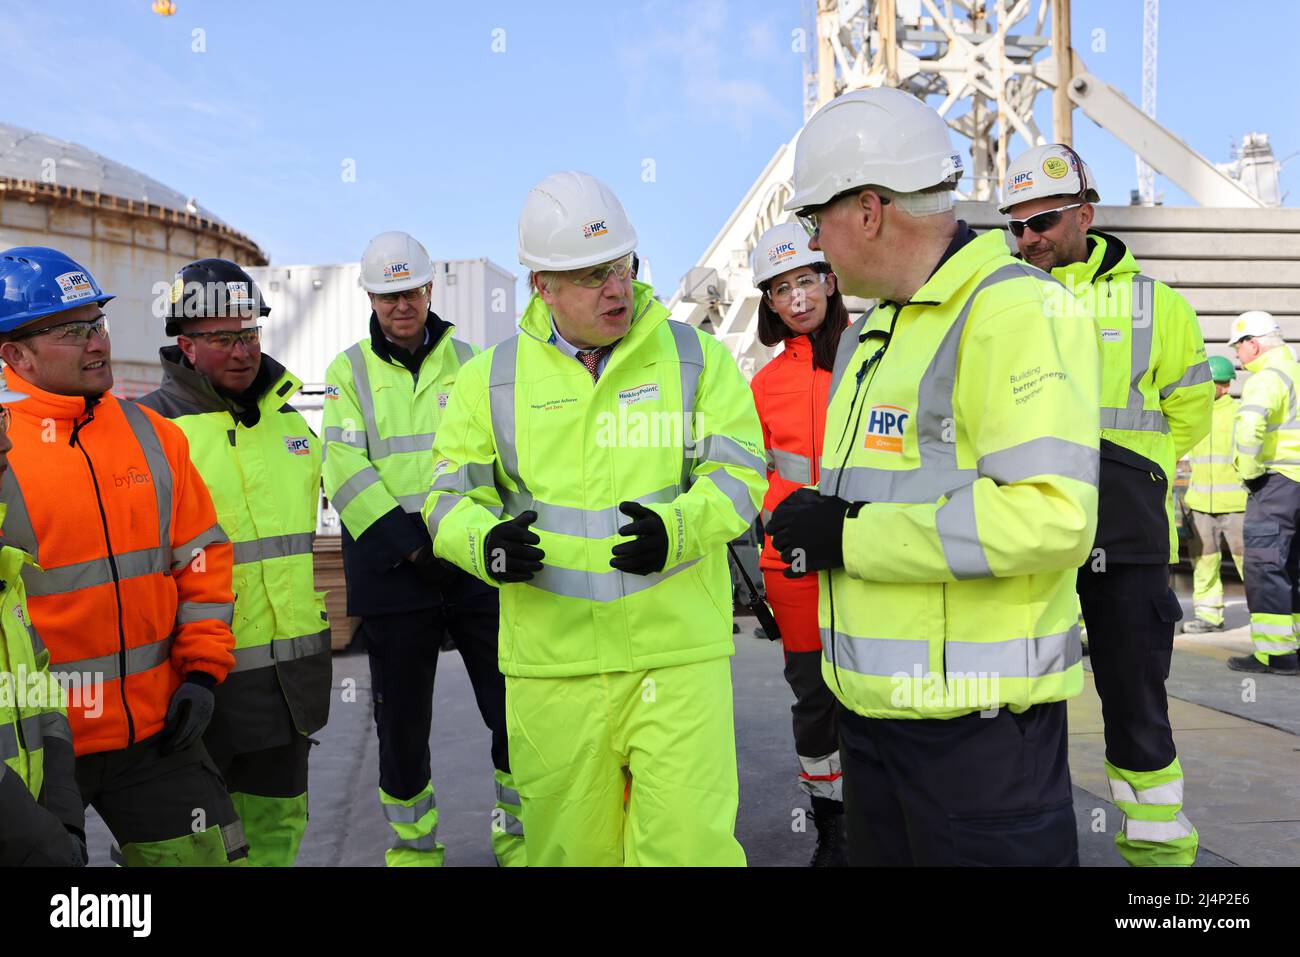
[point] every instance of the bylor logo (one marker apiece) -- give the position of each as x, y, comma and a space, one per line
132, 477
885, 426
593, 229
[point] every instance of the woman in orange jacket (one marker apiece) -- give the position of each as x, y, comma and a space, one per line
802, 307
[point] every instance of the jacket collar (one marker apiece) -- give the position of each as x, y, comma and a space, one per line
40, 404
1278, 355
273, 386
1108, 258
434, 325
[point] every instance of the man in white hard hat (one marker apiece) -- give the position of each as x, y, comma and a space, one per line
384, 403
1266, 455
956, 497
594, 467
1156, 403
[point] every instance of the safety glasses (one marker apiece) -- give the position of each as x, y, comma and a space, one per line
800, 287
1041, 222
225, 339
410, 295
70, 332
621, 268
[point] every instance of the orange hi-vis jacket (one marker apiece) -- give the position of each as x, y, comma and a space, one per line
791, 395
132, 586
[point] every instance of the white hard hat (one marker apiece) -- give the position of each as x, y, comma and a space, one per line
1252, 324
394, 262
572, 220
780, 249
881, 137
1051, 170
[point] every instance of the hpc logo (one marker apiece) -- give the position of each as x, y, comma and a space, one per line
74, 285
594, 229
780, 252
296, 445
885, 427
395, 271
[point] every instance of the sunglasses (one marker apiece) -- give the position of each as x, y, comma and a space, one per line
70, 332
225, 339
621, 269
1041, 222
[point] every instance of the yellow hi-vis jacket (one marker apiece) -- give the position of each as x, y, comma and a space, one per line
1214, 487
1267, 434
671, 423
1156, 390
379, 431
968, 419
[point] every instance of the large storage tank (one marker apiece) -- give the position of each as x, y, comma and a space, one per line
318, 311
128, 229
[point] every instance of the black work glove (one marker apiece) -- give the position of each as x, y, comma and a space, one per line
808, 529
508, 550
77, 848
1257, 483
189, 712
648, 551
436, 573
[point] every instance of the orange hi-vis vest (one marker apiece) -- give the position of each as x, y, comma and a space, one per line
131, 589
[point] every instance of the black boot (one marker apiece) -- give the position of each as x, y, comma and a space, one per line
830, 850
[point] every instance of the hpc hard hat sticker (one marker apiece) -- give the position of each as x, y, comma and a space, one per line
396, 271
780, 252
1020, 182
885, 427
1055, 167
594, 229
74, 286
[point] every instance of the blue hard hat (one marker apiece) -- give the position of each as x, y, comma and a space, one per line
36, 281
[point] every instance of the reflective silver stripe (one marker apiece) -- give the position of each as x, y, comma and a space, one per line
188, 612
280, 650
1041, 456
160, 470
1194, 375
443, 505
420, 442
365, 398
1290, 390
1013, 658
501, 401
612, 585
1250, 449
727, 451
31, 732
274, 546
1142, 420
182, 555
469, 476
1216, 489
353, 487
690, 363
737, 493
959, 536
1254, 409
426, 842
413, 504
38, 644
1262, 628
905, 486
106, 667
97, 571
1272, 462
1291, 426
511, 824
1168, 793
792, 466
351, 437
55, 725
507, 795
464, 351
850, 339
593, 523
1158, 832
18, 522
408, 814
1210, 460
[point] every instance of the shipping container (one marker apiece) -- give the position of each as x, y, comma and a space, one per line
318, 311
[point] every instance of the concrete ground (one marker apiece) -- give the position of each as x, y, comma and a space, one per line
1237, 738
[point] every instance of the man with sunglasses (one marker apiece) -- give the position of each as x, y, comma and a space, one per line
262, 464
132, 587
1157, 402
384, 403
594, 467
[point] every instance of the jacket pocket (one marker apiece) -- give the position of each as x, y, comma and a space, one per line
1132, 524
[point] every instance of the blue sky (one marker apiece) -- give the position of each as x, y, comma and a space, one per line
677, 105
